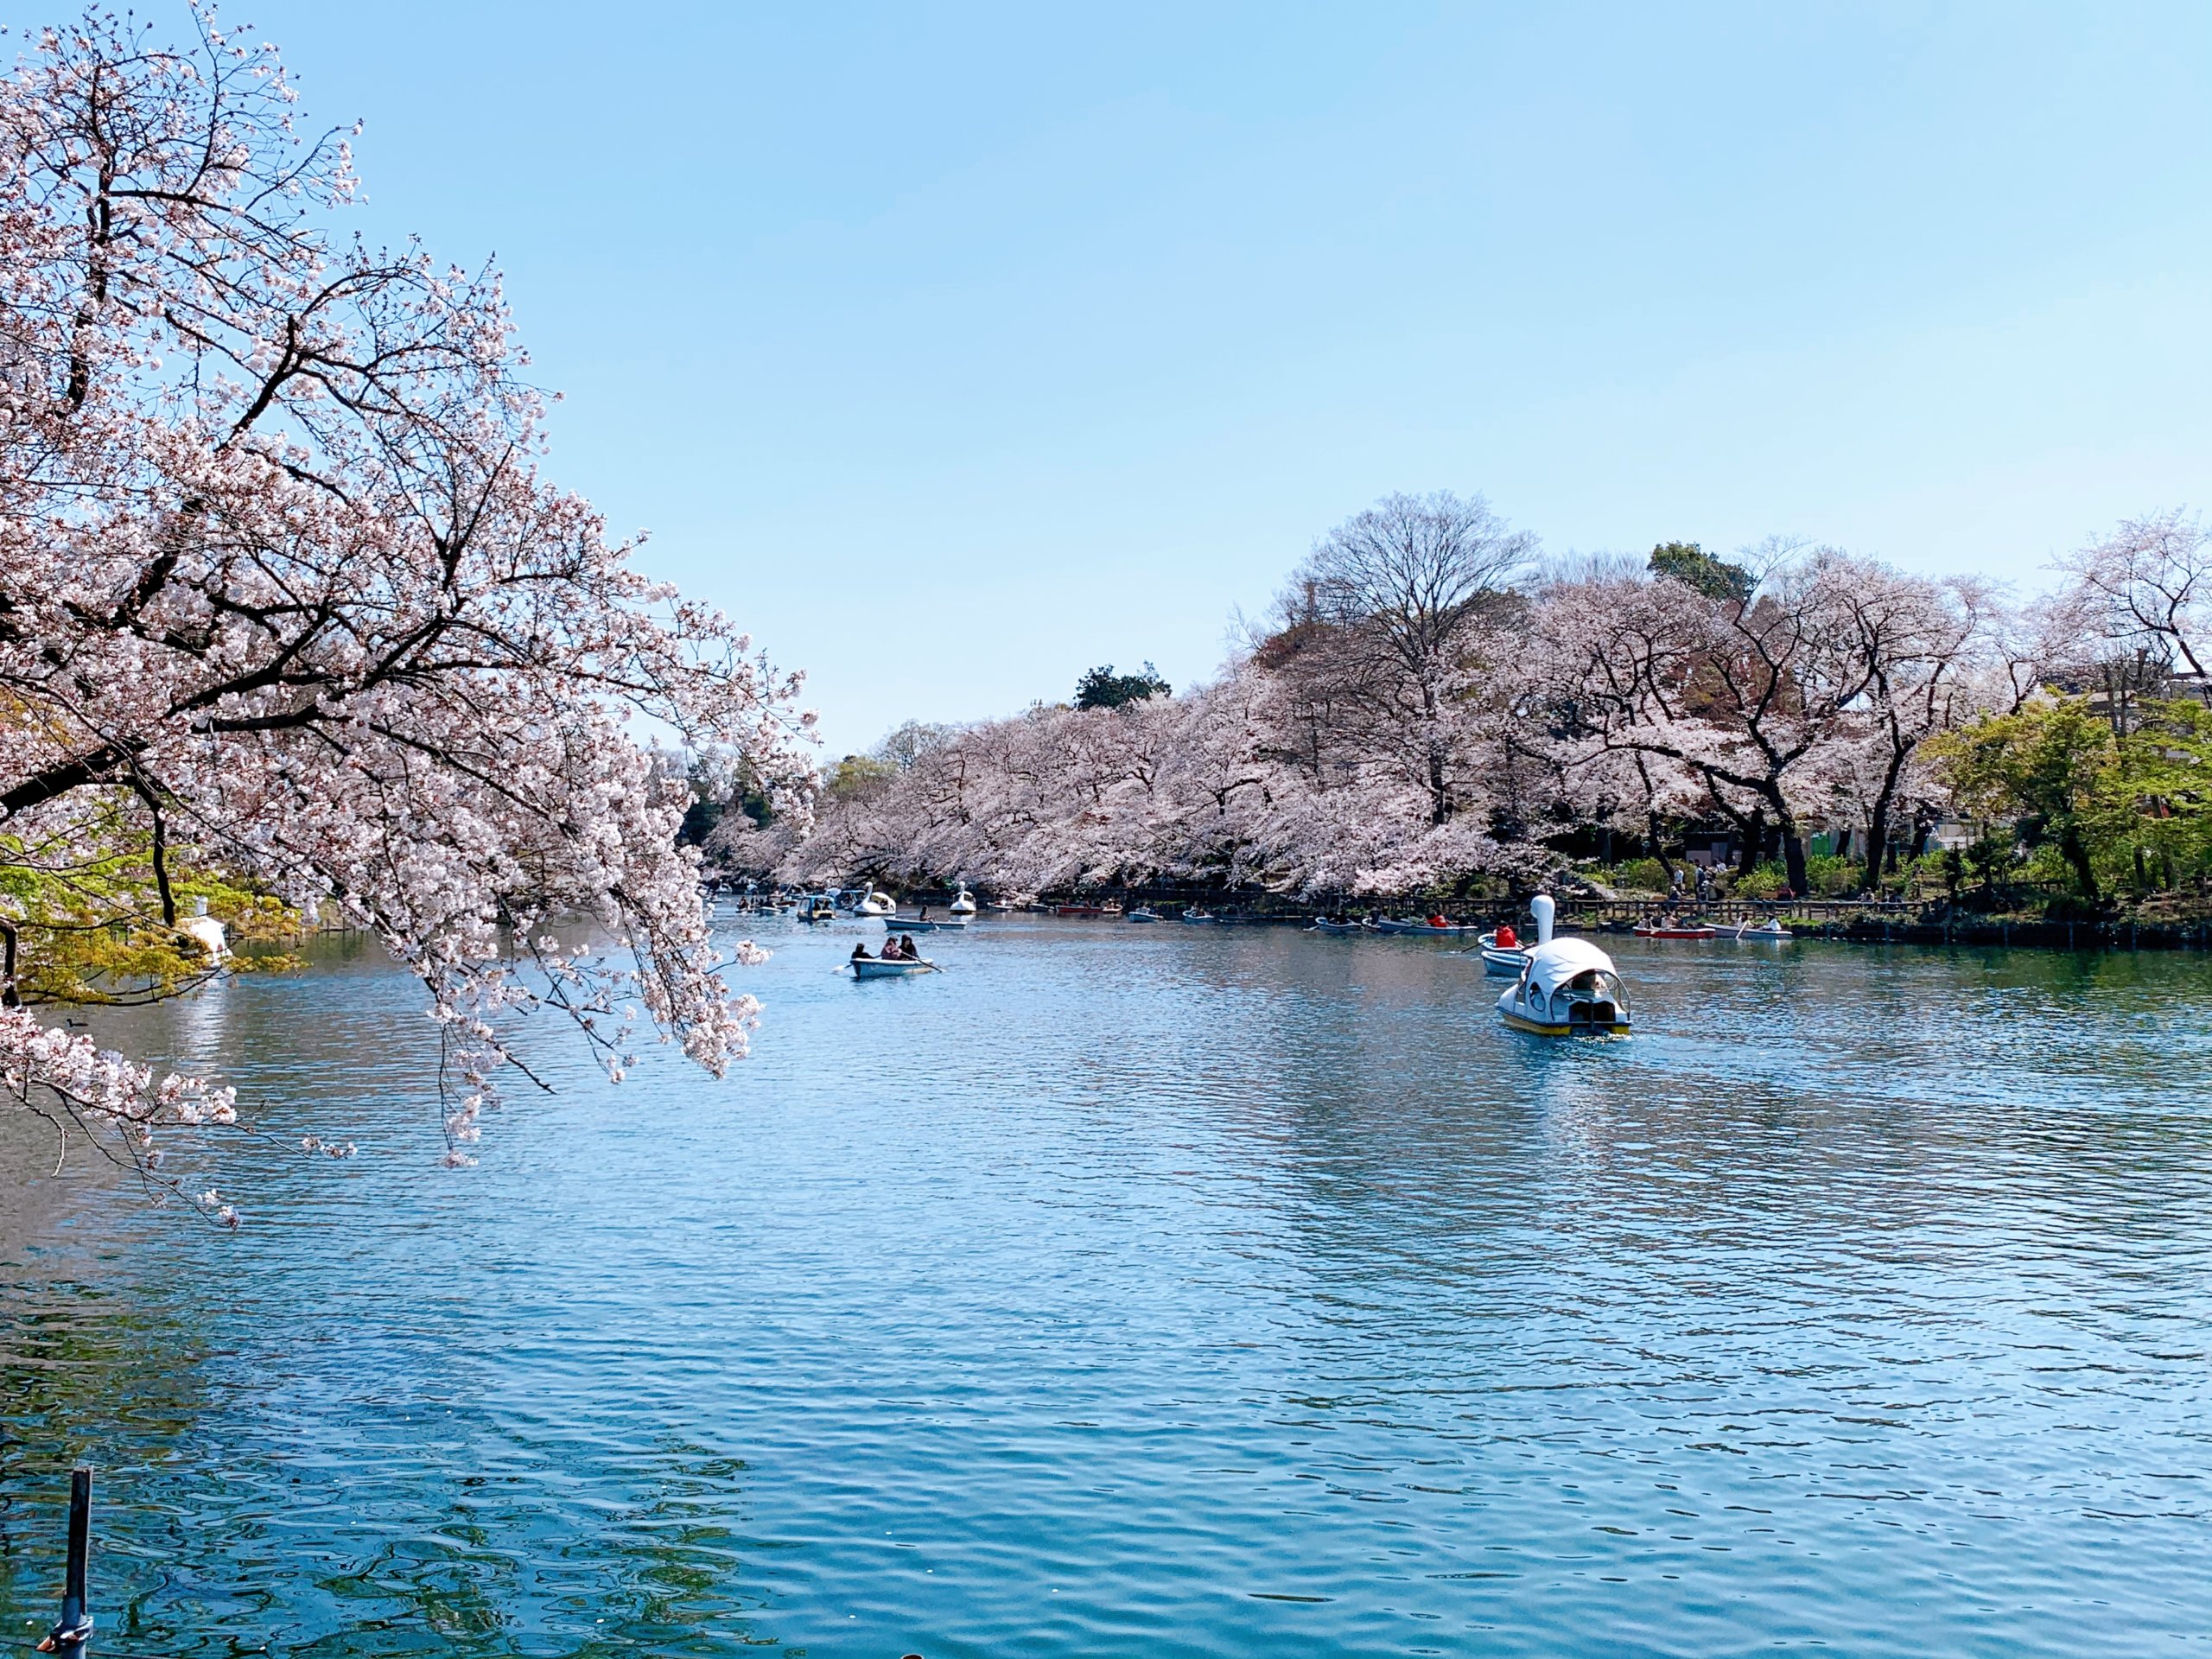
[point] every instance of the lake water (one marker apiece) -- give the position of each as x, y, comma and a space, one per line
1162, 1291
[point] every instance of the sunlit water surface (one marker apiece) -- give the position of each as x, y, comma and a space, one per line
1161, 1291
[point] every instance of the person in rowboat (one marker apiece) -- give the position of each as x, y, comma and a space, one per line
1507, 939
860, 951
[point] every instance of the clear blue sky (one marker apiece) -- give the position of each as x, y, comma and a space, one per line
953, 350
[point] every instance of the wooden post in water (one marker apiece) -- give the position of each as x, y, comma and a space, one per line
69, 1637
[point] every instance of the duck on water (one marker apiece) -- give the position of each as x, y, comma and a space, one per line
1568, 986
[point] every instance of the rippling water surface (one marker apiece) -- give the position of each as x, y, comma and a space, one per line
1163, 1291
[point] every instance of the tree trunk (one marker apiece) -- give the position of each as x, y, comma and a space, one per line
1878, 837
1793, 843
1753, 830
2071, 848
1651, 814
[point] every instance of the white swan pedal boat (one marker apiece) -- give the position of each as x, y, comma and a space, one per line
1567, 988
963, 903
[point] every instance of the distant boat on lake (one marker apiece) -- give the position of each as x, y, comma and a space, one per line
1675, 930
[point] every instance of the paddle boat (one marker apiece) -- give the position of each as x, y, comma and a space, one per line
1141, 915
817, 907
876, 902
963, 903
1565, 988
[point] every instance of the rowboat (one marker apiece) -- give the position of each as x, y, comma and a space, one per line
1674, 931
1078, 910
910, 925
1566, 987
1195, 914
1433, 929
1769, 929
1323, 925
1140, 914
875, 968
1506, 959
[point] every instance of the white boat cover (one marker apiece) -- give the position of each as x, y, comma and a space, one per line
1551, 966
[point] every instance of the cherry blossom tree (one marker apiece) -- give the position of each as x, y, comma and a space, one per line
1750, 693
287, 593
2145, 593
1922, 647
1396, 612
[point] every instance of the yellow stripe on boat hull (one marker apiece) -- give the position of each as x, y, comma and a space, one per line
1521, 1022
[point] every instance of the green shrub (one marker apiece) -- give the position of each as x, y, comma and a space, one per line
1765, 882
1826, 875
1638, 875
